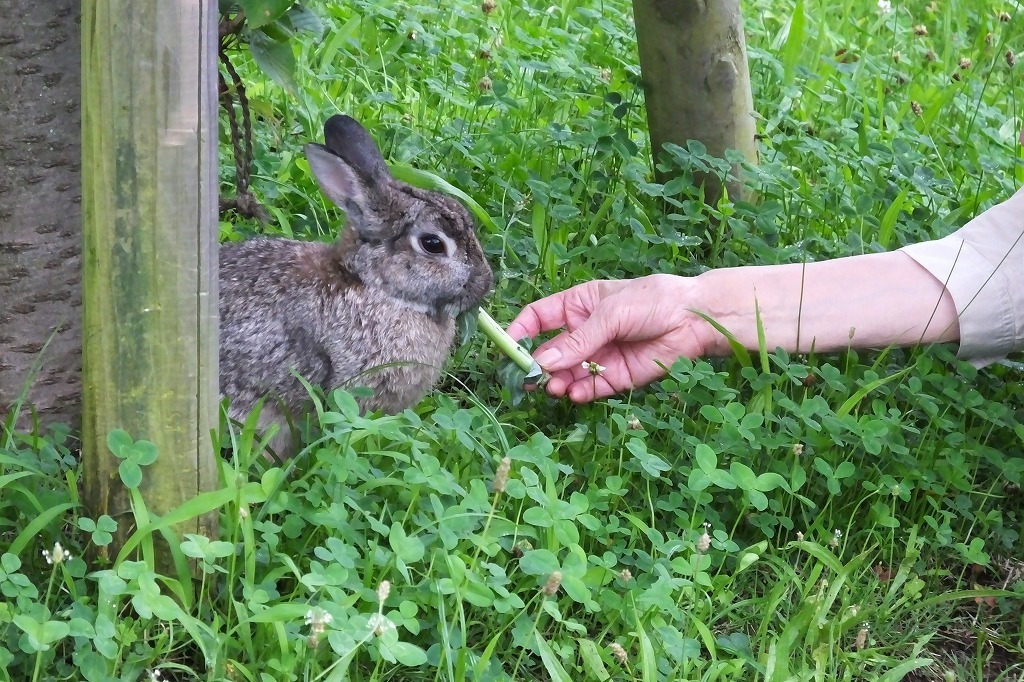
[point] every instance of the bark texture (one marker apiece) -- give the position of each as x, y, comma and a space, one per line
693, 59
40, 213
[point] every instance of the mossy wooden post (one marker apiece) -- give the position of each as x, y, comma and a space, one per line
693, 60
149, 176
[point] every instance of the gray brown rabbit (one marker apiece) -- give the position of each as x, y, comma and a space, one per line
376, 308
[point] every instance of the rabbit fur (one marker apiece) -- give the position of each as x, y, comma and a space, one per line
376, 308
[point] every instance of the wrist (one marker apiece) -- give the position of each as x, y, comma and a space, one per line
692, 299
704, 299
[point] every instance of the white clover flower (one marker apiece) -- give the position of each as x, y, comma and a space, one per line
58, 555
593, 368
317, 617
383, 590
884, 6
155, 676
380, 624
834, 542
704, 541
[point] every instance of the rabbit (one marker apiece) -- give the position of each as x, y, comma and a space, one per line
376, 308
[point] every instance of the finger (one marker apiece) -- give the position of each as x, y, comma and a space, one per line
570, 349
558, 384
540, 316
552, 312
590, 388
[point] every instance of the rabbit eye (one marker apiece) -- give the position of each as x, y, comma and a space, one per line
431, 243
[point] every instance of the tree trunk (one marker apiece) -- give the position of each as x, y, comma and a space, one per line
40, 214
693, 59
149, 139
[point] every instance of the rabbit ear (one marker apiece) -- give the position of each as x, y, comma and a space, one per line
349, 140
353, 174
349, 189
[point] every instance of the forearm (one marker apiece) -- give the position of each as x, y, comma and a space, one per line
867, 301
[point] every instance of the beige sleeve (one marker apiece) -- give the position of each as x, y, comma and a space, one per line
982, 267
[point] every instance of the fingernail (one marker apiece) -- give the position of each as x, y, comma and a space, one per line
549, 357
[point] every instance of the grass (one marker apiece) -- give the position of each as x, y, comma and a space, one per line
855, 516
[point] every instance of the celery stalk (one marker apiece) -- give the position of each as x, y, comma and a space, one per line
535, 376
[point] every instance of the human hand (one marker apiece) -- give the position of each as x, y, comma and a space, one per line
627, 327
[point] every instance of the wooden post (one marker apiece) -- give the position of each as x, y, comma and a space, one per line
693, 59
149, 176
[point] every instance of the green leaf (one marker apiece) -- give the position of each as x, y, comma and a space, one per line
539, 562
793, 33
11, 478
887, 228
706, 458
144, 452
823, 467
555, 670
538, 517
79, 627
279, 613
10, 563
648, 659
262, 12
743, 475
513, 378
90, 665
201, 547
408, 654
590, 655
120, 443
409, 549
651, 463
193, 508
769, 481
722, 479
741, 354
306, 20
275, 58
758, 499
748, 559
466, 325
42, 635
427, 180
852, 401
31, 531
903, 670
130, 473
845, 470
698, 480
712, 414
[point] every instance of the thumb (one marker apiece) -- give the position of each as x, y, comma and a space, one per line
570, 349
